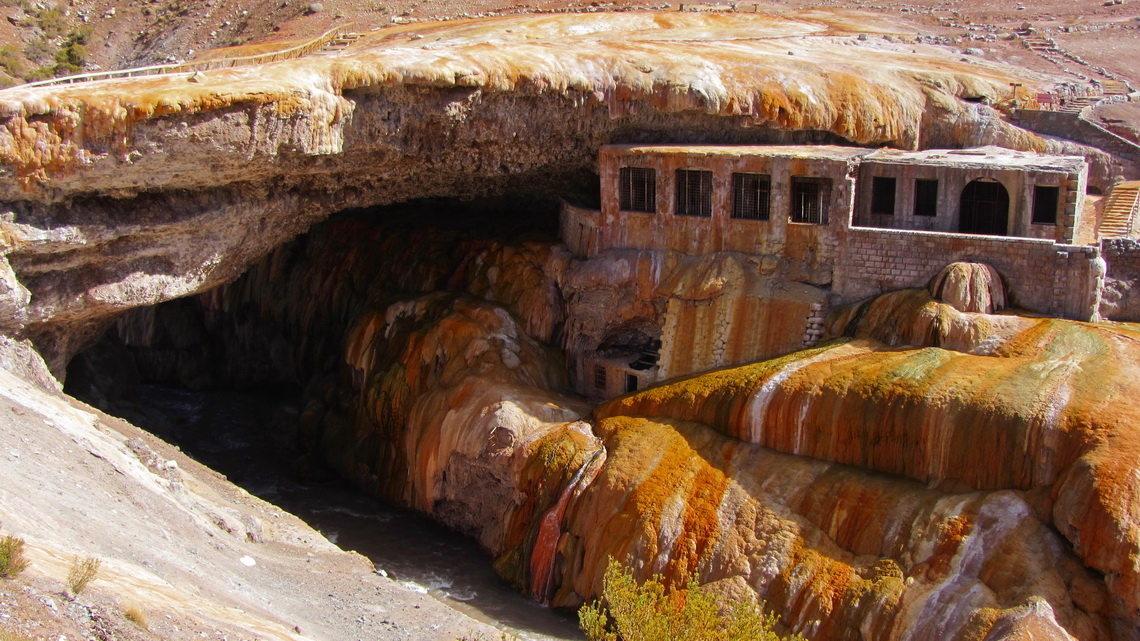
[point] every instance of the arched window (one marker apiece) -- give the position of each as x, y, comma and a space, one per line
984, 208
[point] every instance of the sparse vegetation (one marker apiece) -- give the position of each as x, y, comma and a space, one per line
12, 62
51, 22
82, 573
71, 58
134, 612
12, 635
39, 48
631, 612
12, 558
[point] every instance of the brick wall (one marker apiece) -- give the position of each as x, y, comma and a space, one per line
1040, 275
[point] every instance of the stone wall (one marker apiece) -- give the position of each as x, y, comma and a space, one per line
1073, 126
1121, 299
1040, 275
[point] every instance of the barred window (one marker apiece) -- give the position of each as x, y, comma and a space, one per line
751, 196
694, 193
925, 197
600, 377
809, 199
638, 188
1045, 200
883, 195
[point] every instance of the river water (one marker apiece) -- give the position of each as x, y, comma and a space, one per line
248, 437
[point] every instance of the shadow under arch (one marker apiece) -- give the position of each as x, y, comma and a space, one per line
984, 208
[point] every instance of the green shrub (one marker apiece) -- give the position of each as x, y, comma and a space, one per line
51, 22
12, 559
40, 73
39, 49
631, 612
82, 573
12, 62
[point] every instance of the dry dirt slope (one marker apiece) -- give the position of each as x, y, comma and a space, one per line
200, 557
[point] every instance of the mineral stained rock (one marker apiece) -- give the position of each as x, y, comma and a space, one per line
129, 192
929, 473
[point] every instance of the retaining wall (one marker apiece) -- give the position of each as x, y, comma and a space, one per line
1040, 275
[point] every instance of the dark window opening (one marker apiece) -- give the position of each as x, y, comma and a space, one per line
925, 197
694, 193
600, 377
638, 188
630, 383
883, 195
751, 196
809, 199
1045, 200
984, 208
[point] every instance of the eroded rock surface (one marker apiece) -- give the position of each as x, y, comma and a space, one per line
129, 192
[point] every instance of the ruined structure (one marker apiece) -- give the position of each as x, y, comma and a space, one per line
851, 222
937, 471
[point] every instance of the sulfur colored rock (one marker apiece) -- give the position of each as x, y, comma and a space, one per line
192, 182
969, 287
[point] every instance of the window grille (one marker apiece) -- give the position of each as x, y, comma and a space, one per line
1045, 201
600, 377
638, 189
694, 193
751, 196
883, 195
809, 204
925, 197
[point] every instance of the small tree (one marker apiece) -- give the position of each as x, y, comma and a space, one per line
631, 612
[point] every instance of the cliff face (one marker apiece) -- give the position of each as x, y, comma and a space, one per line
934, 474
126, 193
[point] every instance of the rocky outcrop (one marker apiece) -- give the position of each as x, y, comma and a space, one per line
1036, 407
969, 287
932, 474
125, 193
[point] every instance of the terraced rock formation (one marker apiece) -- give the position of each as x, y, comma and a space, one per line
129, 192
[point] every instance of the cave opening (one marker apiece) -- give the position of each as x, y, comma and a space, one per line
249, 377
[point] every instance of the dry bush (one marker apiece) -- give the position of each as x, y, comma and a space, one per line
12, 559
12, 635
134, 612
82, 573
646, 612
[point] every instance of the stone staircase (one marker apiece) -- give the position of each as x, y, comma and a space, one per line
1119, 214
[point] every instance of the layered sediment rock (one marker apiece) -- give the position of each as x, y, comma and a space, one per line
130, 192
933, 474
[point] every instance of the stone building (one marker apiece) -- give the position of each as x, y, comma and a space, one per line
845, 222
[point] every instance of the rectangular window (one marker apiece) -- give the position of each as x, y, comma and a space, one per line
630, 383
751, 196
694, 193
600, 377
925, 197
638, 187
883, 195
1045, 201
809, 199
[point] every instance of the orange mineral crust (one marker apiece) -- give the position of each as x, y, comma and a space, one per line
795, 71
1036, 405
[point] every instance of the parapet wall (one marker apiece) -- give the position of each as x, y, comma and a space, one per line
1040, 275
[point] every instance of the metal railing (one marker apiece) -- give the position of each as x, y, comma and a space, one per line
315, 44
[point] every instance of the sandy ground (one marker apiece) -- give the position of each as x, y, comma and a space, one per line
198, 556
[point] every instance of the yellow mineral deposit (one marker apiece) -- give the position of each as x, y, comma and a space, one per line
728, 64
